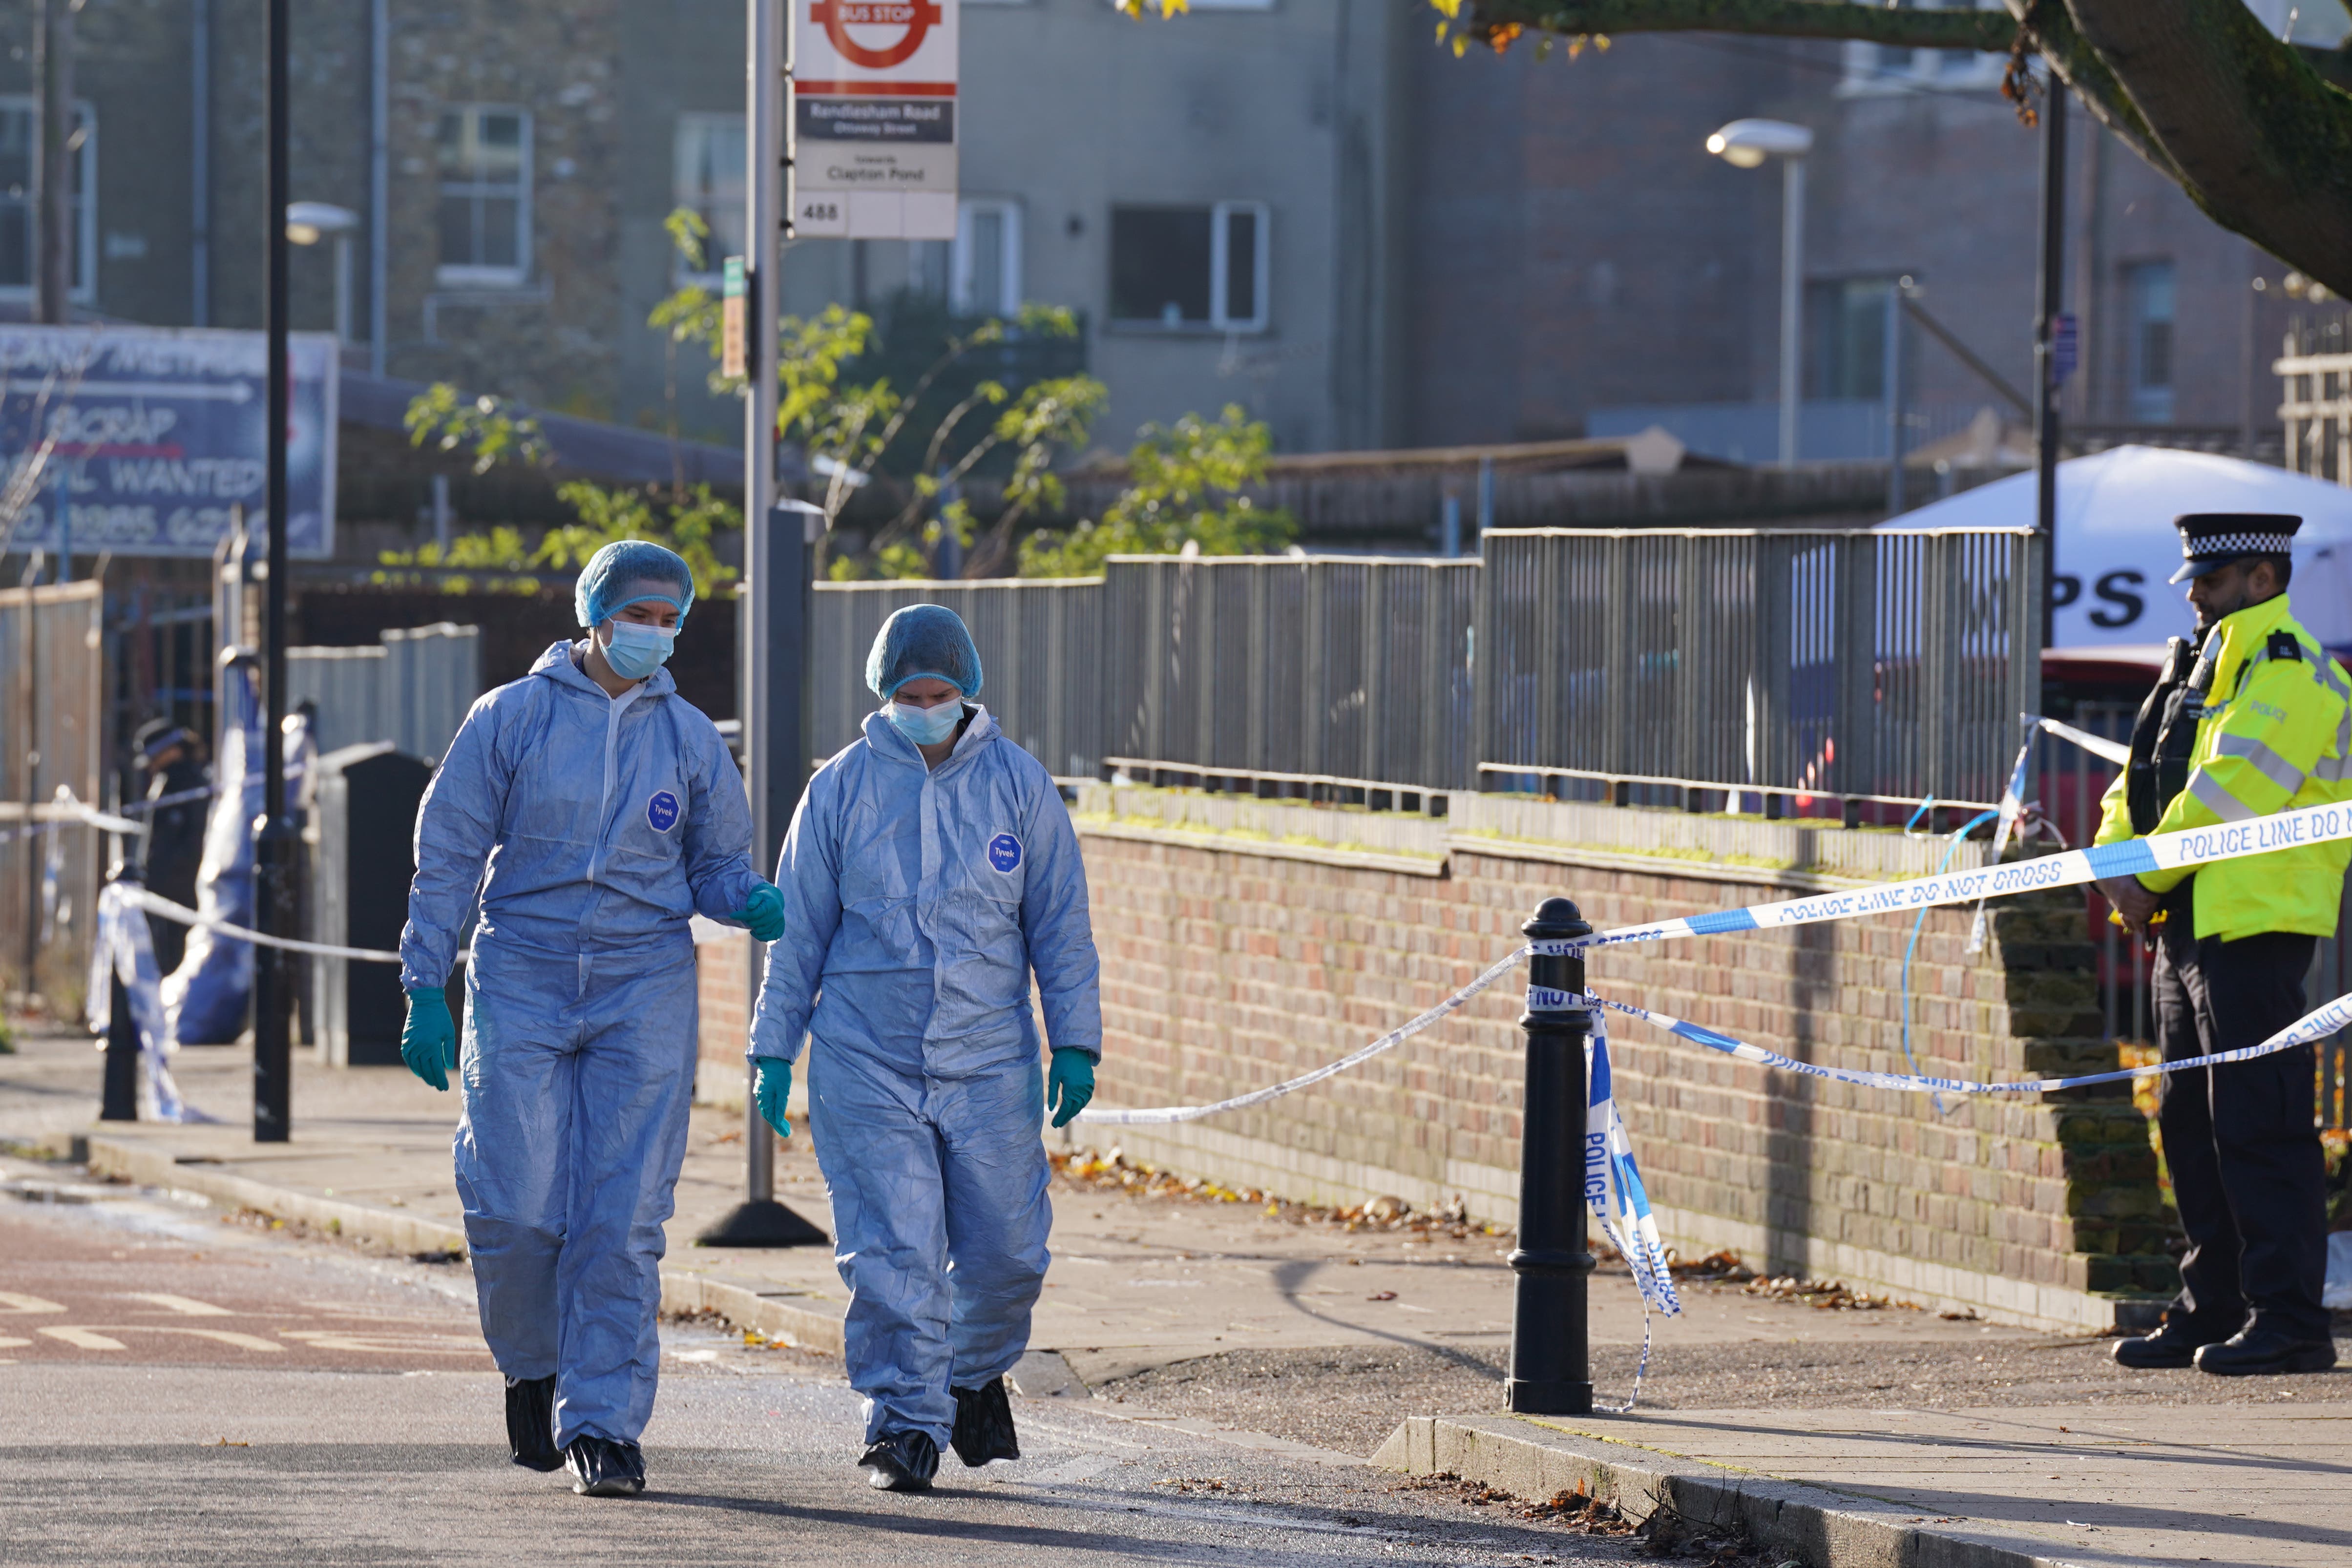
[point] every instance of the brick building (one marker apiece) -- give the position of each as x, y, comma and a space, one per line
1431, 249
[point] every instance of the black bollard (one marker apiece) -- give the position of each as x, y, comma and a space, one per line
1551, 1372
119, 1101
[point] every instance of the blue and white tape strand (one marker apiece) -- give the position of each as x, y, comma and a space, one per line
2186, 850
2315, 1025
1395, 1036
124, 951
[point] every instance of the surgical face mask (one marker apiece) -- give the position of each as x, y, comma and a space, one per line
925, 726
636, 652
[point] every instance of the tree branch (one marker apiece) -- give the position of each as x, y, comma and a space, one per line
2257, 137
2256, 131
1909, 28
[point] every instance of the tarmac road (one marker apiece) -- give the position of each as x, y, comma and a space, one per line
370, 1431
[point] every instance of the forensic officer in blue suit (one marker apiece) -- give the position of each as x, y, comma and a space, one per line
595, 811
929, 871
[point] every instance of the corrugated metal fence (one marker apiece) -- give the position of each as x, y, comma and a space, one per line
413, 688
52, 709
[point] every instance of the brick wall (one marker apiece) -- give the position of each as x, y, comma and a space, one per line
1245, 943
1226, 968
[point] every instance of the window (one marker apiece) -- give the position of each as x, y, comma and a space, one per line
1889, 68
1203, 268
1845, 338
987, 260
485, 196
17, 137
2147, 374
708, 182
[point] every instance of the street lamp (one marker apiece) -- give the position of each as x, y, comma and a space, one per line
1746, 145
308, 222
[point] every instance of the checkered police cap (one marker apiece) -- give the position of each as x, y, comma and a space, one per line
2209, 540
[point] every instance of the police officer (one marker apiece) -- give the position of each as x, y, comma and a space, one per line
173, 758
2251, 719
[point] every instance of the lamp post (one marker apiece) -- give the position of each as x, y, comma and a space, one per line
1746, 145
308, 222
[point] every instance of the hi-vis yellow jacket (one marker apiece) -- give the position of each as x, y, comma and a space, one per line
2274, 736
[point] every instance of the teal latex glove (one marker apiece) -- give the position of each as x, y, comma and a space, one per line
428, 1040
763, 912
1069, 1084
772, 1086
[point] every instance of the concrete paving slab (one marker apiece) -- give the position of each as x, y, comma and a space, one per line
2150, 1485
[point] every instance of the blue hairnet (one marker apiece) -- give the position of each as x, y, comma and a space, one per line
920, 642
618, 575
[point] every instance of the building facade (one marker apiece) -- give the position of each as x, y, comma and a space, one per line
1298, 205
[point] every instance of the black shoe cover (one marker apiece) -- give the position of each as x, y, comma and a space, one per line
603, 1467
901, 1461
531, 1423
983, 1424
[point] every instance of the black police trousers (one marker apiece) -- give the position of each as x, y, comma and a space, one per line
2240, 1137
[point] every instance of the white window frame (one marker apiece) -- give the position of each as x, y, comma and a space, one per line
465, 275
1221, 316
715, 248
84, 289
961, 267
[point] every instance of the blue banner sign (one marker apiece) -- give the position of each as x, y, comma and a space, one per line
142, 440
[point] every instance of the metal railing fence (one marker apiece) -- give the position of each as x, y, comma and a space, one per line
1728, 661
1040, 656
1353, 669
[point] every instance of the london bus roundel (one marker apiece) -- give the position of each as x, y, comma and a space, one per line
912, 19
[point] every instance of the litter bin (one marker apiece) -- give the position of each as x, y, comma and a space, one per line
366, 814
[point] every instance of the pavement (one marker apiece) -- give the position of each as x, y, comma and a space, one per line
1282, 1339
337, 1414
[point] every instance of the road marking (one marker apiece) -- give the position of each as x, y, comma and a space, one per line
226, 1336
387, 1343
185, 1305
7, 1343
84, 1339
10, 1301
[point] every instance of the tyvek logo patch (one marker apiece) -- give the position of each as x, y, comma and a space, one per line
661, 811
1004, 852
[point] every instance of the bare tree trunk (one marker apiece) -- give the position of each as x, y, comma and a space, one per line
54, 150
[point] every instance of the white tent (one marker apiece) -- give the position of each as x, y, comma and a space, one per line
2116, 547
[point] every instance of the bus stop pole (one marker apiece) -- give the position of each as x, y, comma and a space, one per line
772, 611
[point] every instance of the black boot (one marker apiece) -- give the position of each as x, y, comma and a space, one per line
531, 1423
2174, 1344
983, 1424
901, 1461
2257, 1352
603, 1467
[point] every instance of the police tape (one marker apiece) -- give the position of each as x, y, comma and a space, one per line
156, 903
2185, 849
2115, 752
1395, 1036
703, 930
2315, 1025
